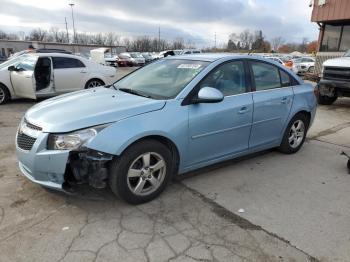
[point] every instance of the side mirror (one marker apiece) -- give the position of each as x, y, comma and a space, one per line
12, 68
209, 95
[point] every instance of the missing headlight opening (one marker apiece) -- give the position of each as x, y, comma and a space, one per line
87, 167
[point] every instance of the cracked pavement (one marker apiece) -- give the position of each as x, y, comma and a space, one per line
183, 224
37, 225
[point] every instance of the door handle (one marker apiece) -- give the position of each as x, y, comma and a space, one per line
83, 72
284, 100
243, 110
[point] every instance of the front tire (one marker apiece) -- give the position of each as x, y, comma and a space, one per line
326, 100
295, 134
4, 94
142, 172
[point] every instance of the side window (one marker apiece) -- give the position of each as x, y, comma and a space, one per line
66, 62
229, 78
266, 76
285, 79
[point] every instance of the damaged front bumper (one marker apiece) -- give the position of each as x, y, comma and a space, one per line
61, 169
334, 87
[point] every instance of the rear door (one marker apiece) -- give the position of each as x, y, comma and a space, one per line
69, 74
22, 79
221, 129
273, 98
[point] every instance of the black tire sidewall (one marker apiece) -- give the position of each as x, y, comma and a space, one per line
119, 168
326, 100
285, 146
7, 94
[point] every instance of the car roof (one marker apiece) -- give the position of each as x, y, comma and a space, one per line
208, 57
53, 54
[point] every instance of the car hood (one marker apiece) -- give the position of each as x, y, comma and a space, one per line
338, 62
87, 108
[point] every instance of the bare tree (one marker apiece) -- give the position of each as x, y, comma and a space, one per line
112, 39
277, 42
303, 45
57, 35
246, 39
38, 34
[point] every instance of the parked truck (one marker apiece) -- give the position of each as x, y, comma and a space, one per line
335, 80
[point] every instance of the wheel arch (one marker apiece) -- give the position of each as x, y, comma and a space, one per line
165, 141
10, 90
306, 113
94, 78
303, 111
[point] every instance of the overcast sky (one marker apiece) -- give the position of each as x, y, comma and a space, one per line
197, 20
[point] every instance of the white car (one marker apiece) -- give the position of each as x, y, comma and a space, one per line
48, 74
303, 65
191, 51
138, 59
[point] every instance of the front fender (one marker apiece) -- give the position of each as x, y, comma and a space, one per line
170, 122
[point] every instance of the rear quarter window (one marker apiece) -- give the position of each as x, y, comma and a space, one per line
66, 62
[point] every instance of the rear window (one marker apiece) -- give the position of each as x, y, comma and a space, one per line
124, 56
266, 76
66, 62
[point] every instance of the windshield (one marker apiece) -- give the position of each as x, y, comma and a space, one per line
163, 79
135, 55
347, 54
27, 64
124, 56
28, 61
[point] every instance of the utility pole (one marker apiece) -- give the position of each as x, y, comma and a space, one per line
74, 36
65, 20
215, 40
159, 39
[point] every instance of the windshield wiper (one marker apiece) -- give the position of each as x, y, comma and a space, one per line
134, 92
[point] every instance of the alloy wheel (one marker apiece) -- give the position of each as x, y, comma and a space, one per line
94, 83
146, 173
296, 134
2, 96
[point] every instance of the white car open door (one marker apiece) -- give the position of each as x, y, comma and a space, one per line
22, 77
23, 83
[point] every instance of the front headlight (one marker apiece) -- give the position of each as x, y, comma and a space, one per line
73, 141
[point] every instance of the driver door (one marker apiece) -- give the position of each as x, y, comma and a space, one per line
22, 78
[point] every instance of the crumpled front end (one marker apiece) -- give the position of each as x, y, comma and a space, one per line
58, 169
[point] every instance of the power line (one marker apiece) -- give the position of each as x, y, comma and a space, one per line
215, 39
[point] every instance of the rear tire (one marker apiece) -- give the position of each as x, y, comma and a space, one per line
295, 134
311, 69
326, 100
142, 172
4, 94
94, 83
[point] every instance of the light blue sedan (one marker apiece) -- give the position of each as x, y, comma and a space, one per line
170, 117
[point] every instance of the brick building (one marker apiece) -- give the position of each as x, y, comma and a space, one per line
333, 19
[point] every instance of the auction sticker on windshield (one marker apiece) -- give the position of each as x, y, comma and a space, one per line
189, 66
